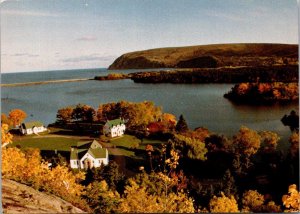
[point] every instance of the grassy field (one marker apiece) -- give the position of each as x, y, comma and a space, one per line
47, 143
127, 143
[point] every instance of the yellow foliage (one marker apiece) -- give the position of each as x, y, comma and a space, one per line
223, 204
252, 201
138, 200
13, 162
6, 137
294, 141
270, 140
28, 168
247, 141
292, 200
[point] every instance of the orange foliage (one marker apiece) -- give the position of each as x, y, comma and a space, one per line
292, 200
243, 88
5, 119
17, 116
65, 114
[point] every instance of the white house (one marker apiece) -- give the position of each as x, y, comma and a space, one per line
114, 128
88, 155
33, 127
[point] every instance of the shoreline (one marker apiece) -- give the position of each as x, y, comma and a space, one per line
43, 82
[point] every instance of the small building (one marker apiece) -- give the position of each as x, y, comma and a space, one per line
114, 128
33, 127
88, 155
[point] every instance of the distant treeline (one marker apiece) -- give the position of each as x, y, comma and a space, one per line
286, 73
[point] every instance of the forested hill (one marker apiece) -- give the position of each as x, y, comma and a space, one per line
209, 56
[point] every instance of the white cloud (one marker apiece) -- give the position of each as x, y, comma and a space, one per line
29, 13
24, 55
87, 38
89, 58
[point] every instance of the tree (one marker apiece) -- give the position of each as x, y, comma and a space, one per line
294, 144
169, 120
65, 114
137, 199
17, 116
269, 140
83, 113
228, 184
223, 204
6, 137
246, 143
112, 175
5, 119
149, 149
100, 198
252, 201
291, 201
181, 125
189, 147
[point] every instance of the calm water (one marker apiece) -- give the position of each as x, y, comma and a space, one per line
201, 104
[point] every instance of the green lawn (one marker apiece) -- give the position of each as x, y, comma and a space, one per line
47, 143
125, 144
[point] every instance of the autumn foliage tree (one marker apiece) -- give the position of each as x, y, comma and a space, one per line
84, 113
291, 201
269, 140
17, 116
189, 147
6, 137
65, 114
247, 141
100, 198
143, 195
28, 167
294, 144
137, 115
253, 201
5, 119
223, 204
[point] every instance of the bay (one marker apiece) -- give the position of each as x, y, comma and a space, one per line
202, 105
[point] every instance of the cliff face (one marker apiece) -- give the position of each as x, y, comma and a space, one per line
19, 198
209, 56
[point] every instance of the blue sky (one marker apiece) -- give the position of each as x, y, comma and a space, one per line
68, 34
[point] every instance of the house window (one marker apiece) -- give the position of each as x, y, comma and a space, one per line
99, 161
75, 162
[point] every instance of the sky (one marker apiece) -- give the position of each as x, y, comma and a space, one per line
39, 35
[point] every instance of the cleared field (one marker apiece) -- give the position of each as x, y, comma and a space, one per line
47, 143
127, 144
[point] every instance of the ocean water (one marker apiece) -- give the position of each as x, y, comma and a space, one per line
201, 104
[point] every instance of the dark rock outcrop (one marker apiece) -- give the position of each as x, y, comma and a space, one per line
199, 62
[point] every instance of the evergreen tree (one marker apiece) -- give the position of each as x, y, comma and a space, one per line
181, 125
228, 184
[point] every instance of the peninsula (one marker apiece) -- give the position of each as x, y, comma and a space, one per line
210, 56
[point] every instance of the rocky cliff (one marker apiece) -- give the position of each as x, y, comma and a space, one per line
19, 198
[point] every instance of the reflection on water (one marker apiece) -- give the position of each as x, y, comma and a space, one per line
201, 104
